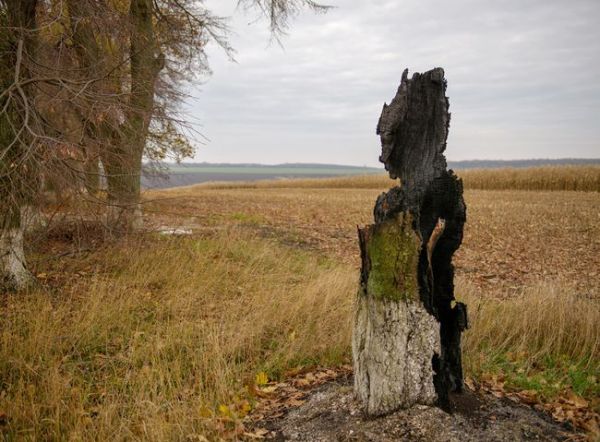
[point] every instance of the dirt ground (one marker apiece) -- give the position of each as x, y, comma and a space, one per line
330, 413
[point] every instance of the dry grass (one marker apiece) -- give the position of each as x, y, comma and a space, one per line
580, 178
375, 181
159, 330
147, 340
543, 344
543, 321
545, 178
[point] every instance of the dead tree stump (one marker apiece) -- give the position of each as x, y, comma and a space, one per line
406, 340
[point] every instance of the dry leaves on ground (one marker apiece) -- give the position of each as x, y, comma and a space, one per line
274, 399
567, 407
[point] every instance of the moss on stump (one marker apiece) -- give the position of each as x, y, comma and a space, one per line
393, 249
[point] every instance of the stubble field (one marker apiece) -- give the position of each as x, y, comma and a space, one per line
513, 239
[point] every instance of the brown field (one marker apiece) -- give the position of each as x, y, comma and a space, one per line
159, 337
512, 238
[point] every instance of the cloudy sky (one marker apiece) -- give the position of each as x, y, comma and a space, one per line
523, 80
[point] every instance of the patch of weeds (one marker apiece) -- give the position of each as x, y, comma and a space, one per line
549, 375
584, 381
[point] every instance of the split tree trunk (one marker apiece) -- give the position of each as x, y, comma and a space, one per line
406, 341
395, 338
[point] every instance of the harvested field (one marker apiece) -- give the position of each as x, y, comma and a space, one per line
512, 238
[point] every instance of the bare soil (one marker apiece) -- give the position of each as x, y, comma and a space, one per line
330, 413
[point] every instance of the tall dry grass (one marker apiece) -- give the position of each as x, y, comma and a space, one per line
165, 330
545, 178
546, 340
542, 321
144, 341
373, 181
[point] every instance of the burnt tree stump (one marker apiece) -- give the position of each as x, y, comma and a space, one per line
406, 339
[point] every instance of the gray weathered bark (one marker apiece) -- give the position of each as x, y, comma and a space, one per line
406, 341
13, 270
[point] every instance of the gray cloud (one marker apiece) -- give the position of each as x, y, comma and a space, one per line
523, 80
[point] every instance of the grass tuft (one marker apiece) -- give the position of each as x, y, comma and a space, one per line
545, 339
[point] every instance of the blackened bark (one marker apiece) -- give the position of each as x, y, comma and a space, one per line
413, 130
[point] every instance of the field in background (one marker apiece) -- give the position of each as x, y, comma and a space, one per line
189, 174
513, 238
545, 178
165, 338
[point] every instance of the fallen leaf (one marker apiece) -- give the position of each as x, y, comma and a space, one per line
528, 396
262, 378
269, 389
469, 383
258, 433
224, 410
295, 402
576, 400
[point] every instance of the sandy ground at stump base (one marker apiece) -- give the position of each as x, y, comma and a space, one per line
331, 413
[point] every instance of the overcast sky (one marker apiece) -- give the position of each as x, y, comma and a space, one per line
523, 80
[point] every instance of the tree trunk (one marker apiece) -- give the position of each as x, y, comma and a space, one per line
124, 141
124, 166
91, 174
123, 183
19, 180
13, 271
395, 338
406, 340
